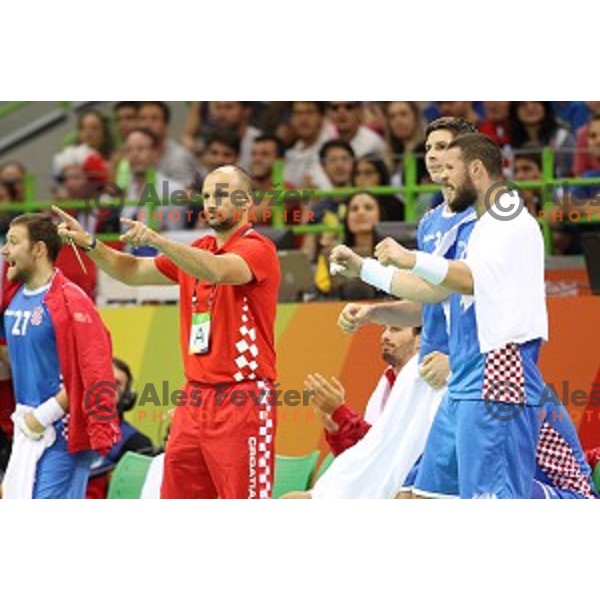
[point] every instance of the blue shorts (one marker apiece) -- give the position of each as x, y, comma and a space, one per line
409, 482
472, 452
60, 473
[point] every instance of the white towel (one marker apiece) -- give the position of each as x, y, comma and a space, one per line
22, 467
376, 404
377, 466
151, 489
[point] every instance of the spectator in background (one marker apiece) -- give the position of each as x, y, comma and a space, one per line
363, 213
404, 130
495, 123
528, 167
142, 150
93, 130
244, 119
347, 117
586, 160
174, 161
371, 171
593, 137
194, 127
12, 190
566, 235
80, 173
267, 149
535, 123
273, 118
12, 177
583, 204
574, 113
404, 134
302, 165
126, 117
458, 110
222, 149
235, 116
337, 161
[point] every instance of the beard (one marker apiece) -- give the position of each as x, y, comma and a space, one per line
17, 275
389, 358
464, 196
222, 224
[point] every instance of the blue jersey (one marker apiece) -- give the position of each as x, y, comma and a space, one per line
437, 234
32, 350
473, 376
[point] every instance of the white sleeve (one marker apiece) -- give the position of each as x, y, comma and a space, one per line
506, 259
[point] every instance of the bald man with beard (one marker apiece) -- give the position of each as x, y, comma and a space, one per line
222, 438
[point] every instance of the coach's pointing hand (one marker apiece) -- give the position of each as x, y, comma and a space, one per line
70, 229
139, 234
390, 252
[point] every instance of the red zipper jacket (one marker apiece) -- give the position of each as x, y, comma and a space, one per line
85, 356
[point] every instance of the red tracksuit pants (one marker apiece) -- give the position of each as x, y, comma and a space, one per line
221, 443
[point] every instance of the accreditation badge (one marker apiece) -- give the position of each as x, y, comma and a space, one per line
200, 333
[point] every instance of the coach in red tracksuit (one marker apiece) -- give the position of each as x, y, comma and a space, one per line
222, 439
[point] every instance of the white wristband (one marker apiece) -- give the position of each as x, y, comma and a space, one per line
377, 275
431, 268
48, 412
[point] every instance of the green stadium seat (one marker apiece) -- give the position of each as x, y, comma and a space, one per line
596, 477
294, 473
129, 476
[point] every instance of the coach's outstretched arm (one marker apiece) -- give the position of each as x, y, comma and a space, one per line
132, 270
129, 269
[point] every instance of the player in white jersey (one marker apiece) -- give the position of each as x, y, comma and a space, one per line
498, 320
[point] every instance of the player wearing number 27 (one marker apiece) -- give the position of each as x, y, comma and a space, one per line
60, 356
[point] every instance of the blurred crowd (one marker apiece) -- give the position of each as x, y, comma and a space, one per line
323, 146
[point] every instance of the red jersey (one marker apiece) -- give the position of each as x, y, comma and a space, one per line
242, 344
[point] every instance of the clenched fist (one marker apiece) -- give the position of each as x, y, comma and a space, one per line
390, 252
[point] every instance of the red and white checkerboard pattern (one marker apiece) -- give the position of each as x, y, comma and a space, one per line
503, 378
265, 442
37, 316
555, 458
247, 349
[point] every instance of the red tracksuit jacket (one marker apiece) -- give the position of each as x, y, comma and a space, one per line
85, 357
351, 426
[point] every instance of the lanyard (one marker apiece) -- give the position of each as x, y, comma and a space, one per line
211, 296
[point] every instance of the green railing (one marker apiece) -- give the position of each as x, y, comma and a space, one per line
410, 191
